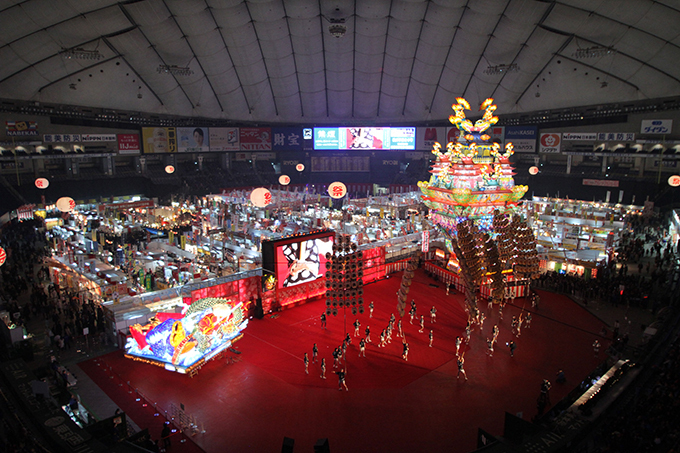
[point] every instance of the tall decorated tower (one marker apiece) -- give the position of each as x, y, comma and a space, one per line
473, 201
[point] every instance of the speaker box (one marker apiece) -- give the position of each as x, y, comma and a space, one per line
321, 446
288, 445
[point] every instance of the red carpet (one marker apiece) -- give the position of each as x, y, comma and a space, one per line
392, 405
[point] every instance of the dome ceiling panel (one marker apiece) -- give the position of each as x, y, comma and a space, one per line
277, 61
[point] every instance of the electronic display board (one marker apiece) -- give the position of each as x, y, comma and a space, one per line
364, 138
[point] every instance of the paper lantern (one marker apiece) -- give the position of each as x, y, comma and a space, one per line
66, 204
261, 197
533, 170
674, 181
300, 167
284, 180
337, 190
42, 183
169, 169
3, 256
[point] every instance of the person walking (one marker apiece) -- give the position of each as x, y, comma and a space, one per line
489, 346
342, 374
596, 347
512, 345
362, 348
323, 368
431, 337
370, 309
306, 360
422, 324
368, 334
494, 333
404, 354
356, 325
459, 341
433, 315
461, 370
323, 320
315, 353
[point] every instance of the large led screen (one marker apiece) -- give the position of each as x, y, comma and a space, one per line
302, 261
365, 138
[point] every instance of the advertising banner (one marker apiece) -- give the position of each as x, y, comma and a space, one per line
224, 139
601, 182
256, 138
550, 143
655, 126
159, 140
98, 138
452, 134
287, 138
523, 138
427, 136
496, 133
581, 136
128, 144
21, 128
61, 138
193, 139
616, 136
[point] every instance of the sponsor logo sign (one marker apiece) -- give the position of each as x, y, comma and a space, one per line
427, 136
550, 143
158, 140
224, 139
582, 136
655, 126
193, 139
98, 138
61, 138
616, 136
128, 144
601, 182
21, 128
255, 138
286, 138
521, 132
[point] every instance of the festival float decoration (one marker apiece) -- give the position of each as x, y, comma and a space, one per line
183, 342
344, 277
473, 201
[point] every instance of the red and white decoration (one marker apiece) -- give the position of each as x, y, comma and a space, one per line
300, 167
66, 204
261, 197
533, 170
42, 183
284, 180
3, 256
337, 189
169, 169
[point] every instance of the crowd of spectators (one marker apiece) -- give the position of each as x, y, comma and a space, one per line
651, 421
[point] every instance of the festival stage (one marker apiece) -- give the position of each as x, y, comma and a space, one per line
391, 405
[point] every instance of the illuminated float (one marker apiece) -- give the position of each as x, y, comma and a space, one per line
183, 342
473, 201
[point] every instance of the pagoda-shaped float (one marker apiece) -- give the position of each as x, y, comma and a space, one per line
473, 201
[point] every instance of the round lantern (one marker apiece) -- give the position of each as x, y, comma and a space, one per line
261, 197
66, 204
284, 180
337, 190
533, 170
3, 256
300, 167
674, 181
169, 169
42, 183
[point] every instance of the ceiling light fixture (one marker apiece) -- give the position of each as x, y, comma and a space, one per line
501, 69
79, 53
594, 52
174, 70
337, 28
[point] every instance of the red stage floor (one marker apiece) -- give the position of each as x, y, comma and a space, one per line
391, 405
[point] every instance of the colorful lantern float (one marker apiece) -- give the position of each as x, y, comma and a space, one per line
473, 201
185, 341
